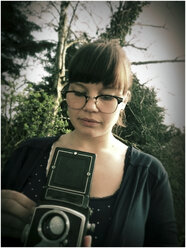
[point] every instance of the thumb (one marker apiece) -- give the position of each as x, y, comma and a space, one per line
87, 241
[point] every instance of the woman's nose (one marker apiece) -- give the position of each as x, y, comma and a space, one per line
91, 105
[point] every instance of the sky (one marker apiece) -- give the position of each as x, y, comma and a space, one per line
163, 43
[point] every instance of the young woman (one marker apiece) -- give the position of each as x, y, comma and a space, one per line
130, 194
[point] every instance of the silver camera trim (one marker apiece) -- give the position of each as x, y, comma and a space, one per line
40, 231
57, 209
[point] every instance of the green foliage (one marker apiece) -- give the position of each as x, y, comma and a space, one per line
32, 117
48, 81
144, 120
17, 41
123, 19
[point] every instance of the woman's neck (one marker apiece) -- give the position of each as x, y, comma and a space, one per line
78, 141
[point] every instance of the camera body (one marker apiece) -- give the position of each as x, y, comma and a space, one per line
62, 216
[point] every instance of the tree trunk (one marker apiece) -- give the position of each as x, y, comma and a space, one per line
61, 53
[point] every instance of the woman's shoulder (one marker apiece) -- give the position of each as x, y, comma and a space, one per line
143, 160
38, 142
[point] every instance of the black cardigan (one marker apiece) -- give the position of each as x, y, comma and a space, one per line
144, 212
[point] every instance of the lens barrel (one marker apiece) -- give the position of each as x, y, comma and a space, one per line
54, 226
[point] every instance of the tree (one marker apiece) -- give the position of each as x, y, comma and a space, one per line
68, 38
122, 20
57, 67
64, 42
144, 120
32, 118
18, 44
17, 41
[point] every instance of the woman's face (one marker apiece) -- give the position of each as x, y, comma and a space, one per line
90, 120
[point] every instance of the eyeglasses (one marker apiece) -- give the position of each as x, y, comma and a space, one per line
105, 103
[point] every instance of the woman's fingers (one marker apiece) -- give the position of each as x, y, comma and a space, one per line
18, 197
87, 241
13, 208
16, 210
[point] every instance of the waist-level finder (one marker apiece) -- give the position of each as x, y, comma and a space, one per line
62, 216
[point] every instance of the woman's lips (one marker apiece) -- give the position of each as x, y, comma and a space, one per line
89, 122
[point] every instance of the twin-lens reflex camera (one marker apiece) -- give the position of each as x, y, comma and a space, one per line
62, 216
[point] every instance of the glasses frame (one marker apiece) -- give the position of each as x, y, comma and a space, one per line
119, 99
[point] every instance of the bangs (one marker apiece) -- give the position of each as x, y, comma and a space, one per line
99, 62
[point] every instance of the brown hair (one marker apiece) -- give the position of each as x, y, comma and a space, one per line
104, 62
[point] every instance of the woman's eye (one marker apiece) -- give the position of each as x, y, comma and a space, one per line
106, 98
78, 93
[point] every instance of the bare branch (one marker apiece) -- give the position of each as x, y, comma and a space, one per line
94, 19
52, 3
151, 25
75, 41
142, 100
111, 8
52, 25
74, 34
71, 20
143, 84
135, 116
158, 61
54, 17
132, 45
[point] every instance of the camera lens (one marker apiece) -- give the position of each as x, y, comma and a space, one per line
54, 226
57, 225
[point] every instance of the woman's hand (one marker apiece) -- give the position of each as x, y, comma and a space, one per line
16, 210
87, 241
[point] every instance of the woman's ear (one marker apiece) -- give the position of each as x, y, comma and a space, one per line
123, 105
127, 97
121, 119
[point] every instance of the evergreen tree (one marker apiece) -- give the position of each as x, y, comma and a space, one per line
144, 121
17, 41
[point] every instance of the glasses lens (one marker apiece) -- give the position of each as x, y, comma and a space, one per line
75, 100
107, 104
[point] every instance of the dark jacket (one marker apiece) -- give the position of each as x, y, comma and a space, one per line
143, 211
